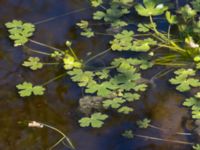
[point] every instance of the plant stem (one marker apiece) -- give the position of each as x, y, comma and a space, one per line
161, 129
51, 63
59, 16
36, 51
45, 45
64, 136
95, 56
170, 64
98, 33
55, 78
169, 30
72, 51
165, 140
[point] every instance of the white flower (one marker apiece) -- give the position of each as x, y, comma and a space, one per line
160, 6
35, 124
193, 45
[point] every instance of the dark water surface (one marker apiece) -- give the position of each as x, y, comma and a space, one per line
59, 106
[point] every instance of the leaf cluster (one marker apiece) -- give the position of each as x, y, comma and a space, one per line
27, 89
20, 32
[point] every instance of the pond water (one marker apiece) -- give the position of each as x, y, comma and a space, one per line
59, 106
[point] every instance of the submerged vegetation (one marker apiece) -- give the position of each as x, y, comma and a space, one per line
122, 82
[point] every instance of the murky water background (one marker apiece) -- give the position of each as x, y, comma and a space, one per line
59, 106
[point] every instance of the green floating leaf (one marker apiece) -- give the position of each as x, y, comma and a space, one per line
33, 63
128, 134
143, 45
143, 123
103, 89
150, 8
196, 5
125, 110
98, 15
115, 103
84, 25
95, 121
20, 32
141, 63
96, 3
27, 89
82, 77
122, 41
184, 80
123, 2
172, 19
196, 147
187, 12
87, 33
143, 28
104, 74
131, 97
194, 103
57, 54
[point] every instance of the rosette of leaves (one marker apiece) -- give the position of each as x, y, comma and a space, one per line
33, 63
150, 8
143, 45
27, 89
112, 15
128, 134
187, 12
185, 79
96, 120
139, 63
83, 78
128, 77
196, 5
194, 104
113, 103
87, 31
20, 32
143, 123
125, 110
124, 41
96, 3
103, 89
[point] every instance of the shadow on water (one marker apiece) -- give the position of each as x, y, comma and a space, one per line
59, 107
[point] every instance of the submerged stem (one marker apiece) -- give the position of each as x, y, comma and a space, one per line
161, 129
55, 78
64, 136
36, 51
95, 56
165, 140
73, 53
44, 45
59, 16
